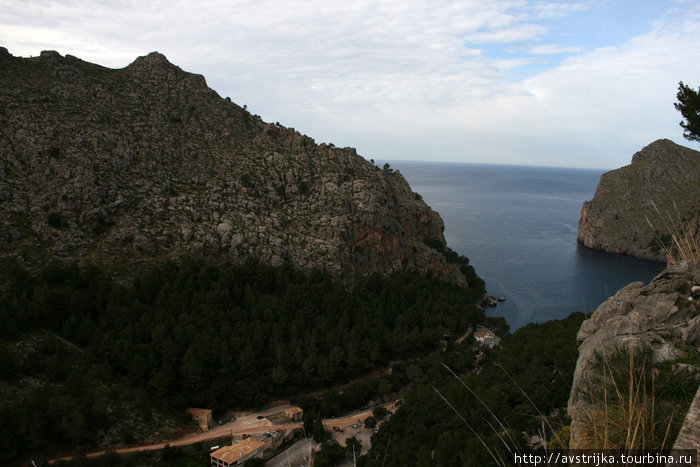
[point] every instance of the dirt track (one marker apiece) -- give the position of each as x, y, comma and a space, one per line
248, 424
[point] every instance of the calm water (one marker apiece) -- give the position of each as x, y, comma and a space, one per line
518, 226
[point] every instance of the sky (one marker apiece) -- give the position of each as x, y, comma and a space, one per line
577, 83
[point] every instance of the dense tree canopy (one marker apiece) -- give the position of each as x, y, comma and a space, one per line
534, 365
226, 336
689, 106
239, 334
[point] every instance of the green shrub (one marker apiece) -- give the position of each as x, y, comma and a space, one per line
379, 413
303, 187
53, 152
55, 220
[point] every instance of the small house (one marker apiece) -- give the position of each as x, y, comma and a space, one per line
486, 337
202, 417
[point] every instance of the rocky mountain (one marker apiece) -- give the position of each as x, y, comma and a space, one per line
129, 166
661, 318
663, 174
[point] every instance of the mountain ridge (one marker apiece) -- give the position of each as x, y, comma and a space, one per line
133, 165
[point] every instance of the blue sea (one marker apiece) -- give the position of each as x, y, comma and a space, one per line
518, 225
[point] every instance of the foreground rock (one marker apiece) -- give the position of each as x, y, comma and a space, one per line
663, 316
129, 166
615, 220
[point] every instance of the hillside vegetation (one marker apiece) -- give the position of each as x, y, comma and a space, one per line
442, 419
191, 334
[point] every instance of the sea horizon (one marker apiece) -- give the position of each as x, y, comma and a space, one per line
381, 162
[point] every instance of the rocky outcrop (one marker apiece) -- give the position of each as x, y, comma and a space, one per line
133, 165
615, 220
663, 316
689, 435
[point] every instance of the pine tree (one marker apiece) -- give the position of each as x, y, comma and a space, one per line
689, 106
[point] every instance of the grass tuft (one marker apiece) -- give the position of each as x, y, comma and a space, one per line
625, 410
684, 244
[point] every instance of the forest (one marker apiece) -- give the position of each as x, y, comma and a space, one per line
514, 400
238, 336
468, 418
446, 421
194, 334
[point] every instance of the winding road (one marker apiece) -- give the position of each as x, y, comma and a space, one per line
246, 425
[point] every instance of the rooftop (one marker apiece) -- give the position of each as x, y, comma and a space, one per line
230, 454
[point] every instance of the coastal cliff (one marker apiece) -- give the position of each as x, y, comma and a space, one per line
663, 174
126, 167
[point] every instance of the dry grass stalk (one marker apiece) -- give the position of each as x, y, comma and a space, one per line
494, 455
624, 416
685, 241
544, 418
508, 441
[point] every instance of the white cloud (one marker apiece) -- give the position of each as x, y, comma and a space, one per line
507, 34
597, 108
552, 49
397, 79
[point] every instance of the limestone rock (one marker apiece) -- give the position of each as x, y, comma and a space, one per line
129, 166
615, 220
689, 436
658, 316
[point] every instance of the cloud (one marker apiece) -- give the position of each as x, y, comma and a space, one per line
595, 109
552, 49
408, 79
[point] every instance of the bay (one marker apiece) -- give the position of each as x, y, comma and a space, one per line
518, 226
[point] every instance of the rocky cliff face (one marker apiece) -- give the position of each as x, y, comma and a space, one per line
662, 317
615, 220
128, 166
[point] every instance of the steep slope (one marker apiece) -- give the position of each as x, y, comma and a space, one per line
127, 166
615, 220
